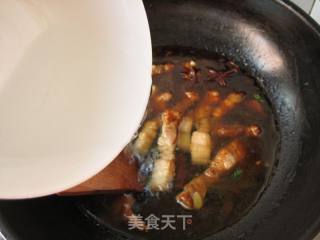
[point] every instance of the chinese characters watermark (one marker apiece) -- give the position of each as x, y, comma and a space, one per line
152, 222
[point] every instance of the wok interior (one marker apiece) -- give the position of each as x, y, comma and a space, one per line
278, 47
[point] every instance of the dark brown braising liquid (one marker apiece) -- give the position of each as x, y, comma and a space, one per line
227, 201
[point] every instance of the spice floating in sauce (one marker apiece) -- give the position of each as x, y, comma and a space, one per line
206, 148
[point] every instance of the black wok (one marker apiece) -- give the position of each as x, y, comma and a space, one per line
278, 44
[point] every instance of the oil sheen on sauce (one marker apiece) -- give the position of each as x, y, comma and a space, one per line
227, 201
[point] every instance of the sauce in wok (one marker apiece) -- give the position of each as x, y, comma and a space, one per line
206, 150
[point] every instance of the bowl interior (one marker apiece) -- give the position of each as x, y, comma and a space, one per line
73, 90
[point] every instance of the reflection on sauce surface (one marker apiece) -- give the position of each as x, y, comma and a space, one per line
206, 150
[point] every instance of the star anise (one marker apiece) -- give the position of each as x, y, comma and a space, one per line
221, 76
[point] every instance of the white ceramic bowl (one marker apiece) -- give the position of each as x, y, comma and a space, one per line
75, 78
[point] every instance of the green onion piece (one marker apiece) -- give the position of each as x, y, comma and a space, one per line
237, 173
258, 97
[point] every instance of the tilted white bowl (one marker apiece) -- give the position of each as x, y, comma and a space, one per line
75, 78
